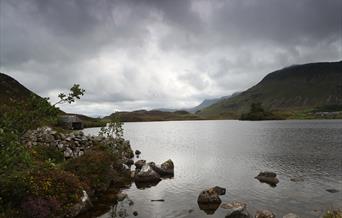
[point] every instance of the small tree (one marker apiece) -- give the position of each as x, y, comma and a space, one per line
113, 128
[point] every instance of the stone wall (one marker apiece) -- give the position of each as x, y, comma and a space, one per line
73, 144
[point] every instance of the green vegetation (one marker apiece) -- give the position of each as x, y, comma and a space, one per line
292, 90
257, 112
333, 214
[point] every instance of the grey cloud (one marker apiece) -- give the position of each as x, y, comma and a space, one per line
160, 53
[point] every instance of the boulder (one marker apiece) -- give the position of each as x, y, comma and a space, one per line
82, 206
137, 152
121, 196
209, 208
268, 177
264, 214
129, 162
146, 175
139, 164
219, 190
291, 215
209, 196
165, 169
236, 210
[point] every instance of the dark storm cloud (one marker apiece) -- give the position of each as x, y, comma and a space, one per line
160, 53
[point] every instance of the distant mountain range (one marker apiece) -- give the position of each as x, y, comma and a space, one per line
295, 88
307, 87
205, 103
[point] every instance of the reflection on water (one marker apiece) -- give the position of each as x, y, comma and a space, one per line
230, 154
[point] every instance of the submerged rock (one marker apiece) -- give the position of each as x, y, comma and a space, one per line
297, 179
165, 169
160, 200
291, 215
268, 177
146, 175
264, 214
236, 210
332, 190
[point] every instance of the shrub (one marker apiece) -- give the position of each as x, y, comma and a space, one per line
13, 156
40, 186
47, 153
94, 168
37, 207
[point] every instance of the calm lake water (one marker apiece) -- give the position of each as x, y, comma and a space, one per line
230, 154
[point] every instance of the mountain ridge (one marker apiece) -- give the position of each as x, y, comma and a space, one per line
294, 88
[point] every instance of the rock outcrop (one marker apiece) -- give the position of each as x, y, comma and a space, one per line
146, 175
165, 169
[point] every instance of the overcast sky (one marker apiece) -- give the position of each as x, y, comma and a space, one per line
150, 54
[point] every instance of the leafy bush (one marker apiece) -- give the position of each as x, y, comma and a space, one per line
38, 186
47, 153
13, 156
94, 168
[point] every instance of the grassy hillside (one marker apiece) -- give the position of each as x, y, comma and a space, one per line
290, 90
12, 91
153, 115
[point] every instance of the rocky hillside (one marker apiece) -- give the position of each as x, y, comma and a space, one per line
295, 88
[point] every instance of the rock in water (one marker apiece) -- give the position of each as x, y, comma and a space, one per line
146, 175
165, 169
332, 190
268, 177
121, 196
209, 196
291, 215
139, 164
236, 210
209, 200
219, 190
137, 152
264, 214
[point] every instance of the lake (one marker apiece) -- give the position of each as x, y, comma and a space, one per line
230, 154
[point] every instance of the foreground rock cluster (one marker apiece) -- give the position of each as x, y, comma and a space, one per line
209, 201
149, 174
